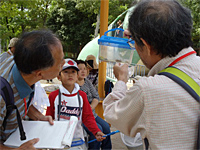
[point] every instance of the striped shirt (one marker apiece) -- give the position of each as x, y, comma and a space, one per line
93, 77
21, 90
157, 107
5, 55
91, 92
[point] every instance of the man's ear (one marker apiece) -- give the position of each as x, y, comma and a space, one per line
148, 47
38, 74
58, 77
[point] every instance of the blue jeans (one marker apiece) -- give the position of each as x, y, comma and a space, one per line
105, 128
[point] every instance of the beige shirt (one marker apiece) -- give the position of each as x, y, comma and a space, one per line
157, 107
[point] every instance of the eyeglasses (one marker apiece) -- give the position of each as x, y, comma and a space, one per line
130, 44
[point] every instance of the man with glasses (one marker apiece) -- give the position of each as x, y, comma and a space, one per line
163, 112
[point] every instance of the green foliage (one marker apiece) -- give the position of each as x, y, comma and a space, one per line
18, 16
73, 26
116, 7
91, 7
73, 20
194, 6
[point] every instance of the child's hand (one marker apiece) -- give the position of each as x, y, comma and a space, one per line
99, 136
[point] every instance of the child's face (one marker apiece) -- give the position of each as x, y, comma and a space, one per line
68, 76
82, 71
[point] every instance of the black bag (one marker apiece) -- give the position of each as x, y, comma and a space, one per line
7, 94
108, 87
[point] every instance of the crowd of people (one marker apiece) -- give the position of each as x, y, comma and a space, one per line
67, 72
164, 113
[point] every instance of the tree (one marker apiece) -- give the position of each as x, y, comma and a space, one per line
19, 16
74, 27
93, 7
82, 15
76, 24
194, 6
116, 7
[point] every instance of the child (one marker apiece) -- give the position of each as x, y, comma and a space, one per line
73, 102
93, 98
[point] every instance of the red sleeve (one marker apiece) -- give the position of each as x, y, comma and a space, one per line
87, 115
51, 109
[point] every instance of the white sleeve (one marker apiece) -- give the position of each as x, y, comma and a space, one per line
124, 109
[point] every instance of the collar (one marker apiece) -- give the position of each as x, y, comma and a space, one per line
65, 91
163, 63
23, 88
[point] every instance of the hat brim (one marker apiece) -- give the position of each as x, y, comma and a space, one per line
89, 66
70, 67
95, 66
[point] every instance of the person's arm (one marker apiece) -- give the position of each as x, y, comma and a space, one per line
34, 114
89, 120
94, 103
87, 115
51, 109
29, 145
95, 95
124, 108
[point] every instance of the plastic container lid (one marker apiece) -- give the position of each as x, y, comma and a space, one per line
114, 41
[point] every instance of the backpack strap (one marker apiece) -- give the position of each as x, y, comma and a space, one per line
59, 104
188, 84
8, 96
183, 80
79, 102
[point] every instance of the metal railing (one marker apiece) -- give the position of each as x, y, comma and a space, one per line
138, 70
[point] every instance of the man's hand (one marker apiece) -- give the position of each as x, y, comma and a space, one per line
29, 145
47, 118
34, 114
121, 72
99, 136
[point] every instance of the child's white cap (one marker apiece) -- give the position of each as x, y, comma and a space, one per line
70, 63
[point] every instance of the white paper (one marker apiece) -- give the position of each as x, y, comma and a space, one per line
50, 135
67, 140
40, 99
